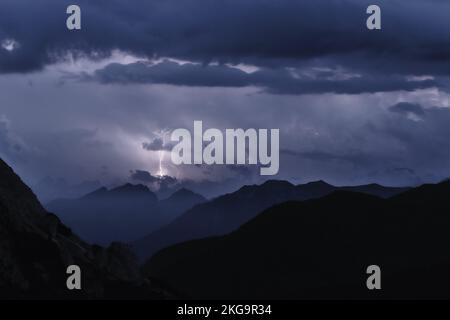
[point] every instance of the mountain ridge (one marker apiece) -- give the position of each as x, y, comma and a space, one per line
123, 213
226, 213
320, 249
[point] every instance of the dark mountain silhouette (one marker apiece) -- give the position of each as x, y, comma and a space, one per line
36, 249
226, 213
123, 214
376, 190
321, 248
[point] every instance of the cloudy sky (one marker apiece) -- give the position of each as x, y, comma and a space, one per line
353, 106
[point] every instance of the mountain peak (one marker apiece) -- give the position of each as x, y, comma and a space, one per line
97, 193
277, 183
375, 185
131, 189
183, 192
14, 194
319, 183
267, 186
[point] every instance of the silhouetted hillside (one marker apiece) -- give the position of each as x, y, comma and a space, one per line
321, 249
124, 213
376, 190
36, 249
226, 213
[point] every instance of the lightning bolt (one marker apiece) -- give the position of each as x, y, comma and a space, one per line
161, 157
161, 172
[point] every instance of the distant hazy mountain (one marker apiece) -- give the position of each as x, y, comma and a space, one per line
36, 249
321, 249
180, 201
124, 213
226, 213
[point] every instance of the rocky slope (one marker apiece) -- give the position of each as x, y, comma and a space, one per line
36, 249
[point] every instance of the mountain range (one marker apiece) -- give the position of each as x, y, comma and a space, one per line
228, 212
320, 249
121, 214
269, 241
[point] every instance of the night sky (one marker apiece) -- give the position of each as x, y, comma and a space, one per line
353, 106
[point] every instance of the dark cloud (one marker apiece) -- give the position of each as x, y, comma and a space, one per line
173, 73
275, 81
157, 183
157, 144
414, 38
142, 176
406, 108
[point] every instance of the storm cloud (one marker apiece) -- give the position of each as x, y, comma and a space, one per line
275, 81
157, 144
142, 176
405, 108
265, 33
